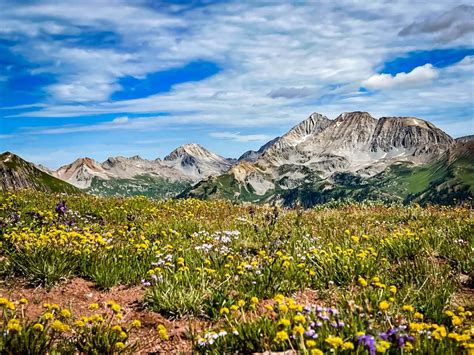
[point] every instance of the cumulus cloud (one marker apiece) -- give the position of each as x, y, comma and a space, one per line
448, 26
290, 92
240, 137
418, 76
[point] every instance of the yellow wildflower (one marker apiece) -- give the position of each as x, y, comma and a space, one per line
384, 305
119, 346
281, 336
93, 306
14, 325
334, 342
38, 327
348, 346
162, 332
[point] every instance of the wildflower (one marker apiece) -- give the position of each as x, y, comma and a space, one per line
66, 313
368, 342
384, 305
418, 315
23, 300
38, 327
283, 308
48, 316
316, 352
348, 346
281, 336
241, 303
284, 322
310, 344
299, 318
14, 326
298, 329
93, 306
439, 333
334, 342
115, 308
162, 332
116, 328
269, 307
382, 346
455, 320
362, 282
408, 308
79, 323
254, 300
59, 326
119, 346
393, 289
279, 298
224, 310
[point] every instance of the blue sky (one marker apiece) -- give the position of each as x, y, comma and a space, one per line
114, 77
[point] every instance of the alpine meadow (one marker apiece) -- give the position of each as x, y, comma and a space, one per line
225, 177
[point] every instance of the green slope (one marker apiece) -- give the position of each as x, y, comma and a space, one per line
16, 174
145, 185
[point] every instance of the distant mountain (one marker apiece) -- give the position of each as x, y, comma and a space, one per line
354, 156
17, 174
118, 176
195, 162
253, 155
465, 138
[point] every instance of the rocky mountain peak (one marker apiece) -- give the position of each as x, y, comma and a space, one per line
314, 124
417, 137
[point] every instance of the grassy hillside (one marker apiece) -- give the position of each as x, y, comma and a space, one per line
17, 174
144, 185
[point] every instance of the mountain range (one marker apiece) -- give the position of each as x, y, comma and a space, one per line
354, 156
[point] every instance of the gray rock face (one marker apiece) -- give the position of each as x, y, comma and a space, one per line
465, 139
196, 162
354, 142
190, 162
252, 155
419, 138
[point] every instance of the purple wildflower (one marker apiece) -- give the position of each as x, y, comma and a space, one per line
61, 207
368, 342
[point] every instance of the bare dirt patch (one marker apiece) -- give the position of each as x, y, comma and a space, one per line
78, 294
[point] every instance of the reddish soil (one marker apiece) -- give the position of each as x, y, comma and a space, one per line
78, 293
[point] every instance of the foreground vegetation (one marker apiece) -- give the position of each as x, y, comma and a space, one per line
348, 278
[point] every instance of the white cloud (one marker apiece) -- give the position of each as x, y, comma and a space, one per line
418, 76
120, 120
241, 137
260, 47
